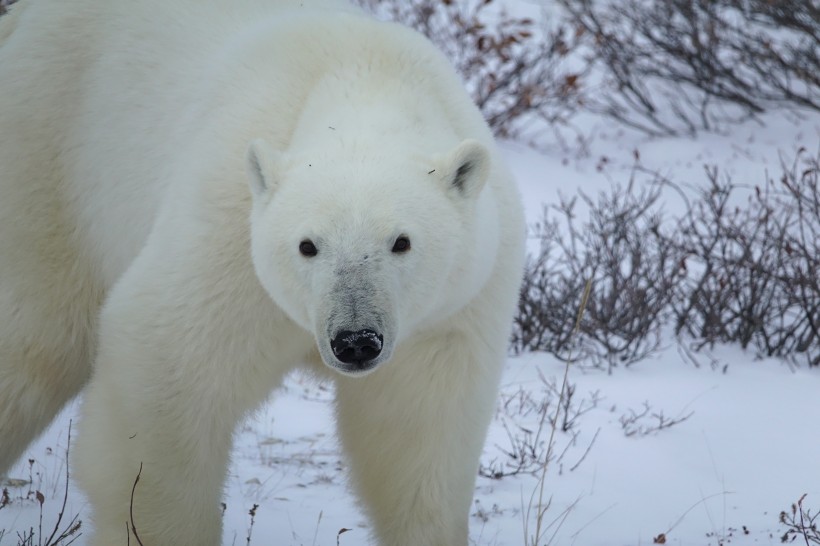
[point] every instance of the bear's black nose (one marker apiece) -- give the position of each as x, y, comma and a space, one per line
357, 347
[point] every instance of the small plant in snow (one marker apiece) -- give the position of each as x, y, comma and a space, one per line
647, 421
60, 535
525, 418
801, 524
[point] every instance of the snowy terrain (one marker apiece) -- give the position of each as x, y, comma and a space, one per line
739, 439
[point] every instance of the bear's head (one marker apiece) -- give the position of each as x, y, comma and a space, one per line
364, 250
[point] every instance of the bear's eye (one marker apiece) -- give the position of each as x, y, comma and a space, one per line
402, 244
307, 248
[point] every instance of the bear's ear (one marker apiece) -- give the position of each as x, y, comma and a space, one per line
262, 164
466, 168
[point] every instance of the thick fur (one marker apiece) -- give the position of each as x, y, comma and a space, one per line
160, 164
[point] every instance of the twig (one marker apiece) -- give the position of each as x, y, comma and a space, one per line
252, 512
131, 507
701, 501
318, 522
65, 495
554, 422
589, 448
802, 521
340, 533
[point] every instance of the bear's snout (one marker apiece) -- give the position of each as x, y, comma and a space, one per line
357, 348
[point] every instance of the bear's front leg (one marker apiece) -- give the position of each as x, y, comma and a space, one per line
413, 431
184, 353
148, 413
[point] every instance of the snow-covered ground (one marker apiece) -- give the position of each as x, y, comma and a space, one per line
746, 446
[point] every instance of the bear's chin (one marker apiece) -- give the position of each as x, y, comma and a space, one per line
354, 370
357, 369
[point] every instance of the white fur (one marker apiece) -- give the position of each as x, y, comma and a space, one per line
160, 163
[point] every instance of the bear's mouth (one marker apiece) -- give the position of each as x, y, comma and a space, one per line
356, 370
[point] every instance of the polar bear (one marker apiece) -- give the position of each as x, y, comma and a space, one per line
199, 196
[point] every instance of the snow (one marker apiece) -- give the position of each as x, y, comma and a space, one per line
749, 449
746, 448
746, 452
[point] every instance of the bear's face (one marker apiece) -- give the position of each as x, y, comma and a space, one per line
361, 252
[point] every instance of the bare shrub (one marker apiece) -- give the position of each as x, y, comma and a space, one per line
739, 266
517, 72
753, 265
677, 66
633, 269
